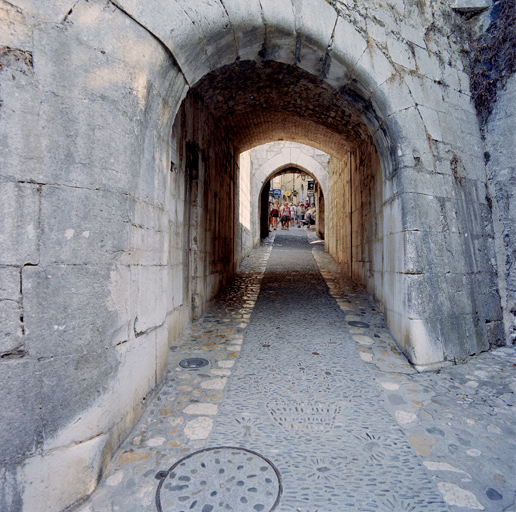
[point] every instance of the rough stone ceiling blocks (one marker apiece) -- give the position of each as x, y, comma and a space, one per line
261, 103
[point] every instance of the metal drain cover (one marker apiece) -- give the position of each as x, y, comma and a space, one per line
224, 478
193, 362
356, 323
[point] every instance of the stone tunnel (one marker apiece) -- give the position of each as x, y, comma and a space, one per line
125, 126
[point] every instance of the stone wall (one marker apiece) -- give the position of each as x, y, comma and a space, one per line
404, 255
500, 160
357, 235
107, 250
338, 205
88, 252
211, 203
248, 233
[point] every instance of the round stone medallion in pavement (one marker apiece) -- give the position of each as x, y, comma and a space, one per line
224, 478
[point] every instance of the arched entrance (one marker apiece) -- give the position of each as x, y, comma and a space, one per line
129, 232
263, 163
317, 197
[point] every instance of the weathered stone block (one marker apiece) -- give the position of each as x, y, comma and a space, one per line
121, 400
423, 347
247, 26
149, 236
391, 97
428, 213
20, 130
62, 474
431, 122
17, 32
412, 34
10, 284
104, 31
55, 13
10, 492
71, 386
92, 153
376, 32
217, 31
471, 5
279, 18
407, 128
487, 302
78, 320
196, 50
495, 334
462, 336
393, 253
401, 53
451, 78
415, 180
11, 340
19, 218
428, 64
372, 69
502, 174
83, 226
415, 335
316, 32
21, 403
459, 120
149, 286
426, 92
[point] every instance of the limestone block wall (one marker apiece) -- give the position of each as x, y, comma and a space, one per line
106, 249
338, 205
404, 253
501, 164
211, 204
248, 233
90, 264
355, 235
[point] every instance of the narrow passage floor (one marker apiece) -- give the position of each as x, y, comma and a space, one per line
307, 405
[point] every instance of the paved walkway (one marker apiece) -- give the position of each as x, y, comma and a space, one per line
301, 408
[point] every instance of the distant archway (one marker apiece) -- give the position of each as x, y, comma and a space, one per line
318, 193
285, 155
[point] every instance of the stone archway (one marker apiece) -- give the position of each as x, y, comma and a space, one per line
110, 225
318, 201
282, 155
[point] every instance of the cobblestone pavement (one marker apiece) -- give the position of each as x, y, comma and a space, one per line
307, 405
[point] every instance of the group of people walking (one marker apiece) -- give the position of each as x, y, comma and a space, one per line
290, 214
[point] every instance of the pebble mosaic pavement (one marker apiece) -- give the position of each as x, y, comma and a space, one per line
337, 409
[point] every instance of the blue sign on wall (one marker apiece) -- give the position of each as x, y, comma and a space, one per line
276, 192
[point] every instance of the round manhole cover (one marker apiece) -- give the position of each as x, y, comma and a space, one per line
356, 323
224, 478
193, 362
